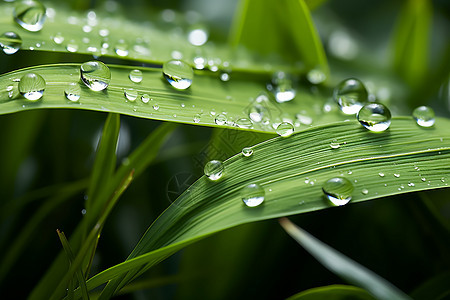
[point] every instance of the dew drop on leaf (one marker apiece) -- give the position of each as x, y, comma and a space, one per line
121, 48
253, 195
285, 129
316, 76
95, 75
72, 92
130, 94
32, 86
145, 98
58, 38
282, 87
197, 118
424, 116
338, 190
178, 73
350, 95
135, 76
244, 123
247, 151
10, 42
364, 191
335, 144
214, 170
375, 117
30, 14
220, 119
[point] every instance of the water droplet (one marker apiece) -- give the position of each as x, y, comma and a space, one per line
83, 211
253, 195
381, 174
411, 184
198, 37
396, 175
424, 116
244, 123
32, 86
257, 112
135, 76
375, 117
220, 119
156, 106
145, 98
364, 191
73, 92
214, 170
30, 14
72, 47
282, 87
10, 42
335, 145
95, 75
285, 129
197, 118
350, 95
178, 73
338, 190
224, 76
423, 179
247, 151
130, 94
121, 48
316, 76
58, 38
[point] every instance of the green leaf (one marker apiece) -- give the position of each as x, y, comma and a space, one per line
292, 170
343, 266
333, 292
281, 29
411, 40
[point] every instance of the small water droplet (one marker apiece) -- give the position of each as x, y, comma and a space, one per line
247, 151
30, 14
156, 106
198, 36
135, 76
411, 184
396, 175
83, 211
364, 191
338, 190
32, 86
244, 123
257, 112
197, 118
282, 87
145, 98
349, 172
220, 119
214, 170
423, 179
335, 145
95, 75
121, 48
316, 76
381, 174
424, 116
73, 92
443, 179
253, 195
375, 117
225, 76
72, 47
350, 95
130, 94
285, 129
58, 38
10, 42
178, 73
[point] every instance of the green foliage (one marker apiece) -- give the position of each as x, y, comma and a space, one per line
142, 163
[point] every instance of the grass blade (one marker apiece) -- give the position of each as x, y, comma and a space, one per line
343, 266
333, 292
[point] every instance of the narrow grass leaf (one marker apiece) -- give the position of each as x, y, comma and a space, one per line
343, 266
333, 292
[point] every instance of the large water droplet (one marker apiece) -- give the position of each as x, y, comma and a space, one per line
253, 195
285, 129
135, 76
178, 73
95, 75
351, 95
247, 151
338, 190
130, 94
220, 119
10, 42
214, 170
424, 116
32, 86
73, 92
375, 117
30, 14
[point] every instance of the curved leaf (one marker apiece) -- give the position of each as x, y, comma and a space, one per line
406, 158
333, 292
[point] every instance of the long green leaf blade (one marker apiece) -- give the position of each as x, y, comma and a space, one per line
343, 266
333, 292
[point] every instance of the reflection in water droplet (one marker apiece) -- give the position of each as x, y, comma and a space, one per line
214, 170
135, 76
424, 116
178, 73
30, 14
10, 42
130, 94
247, 151
220, 119
95, 75
253, 195
350, 95
375, 117
73, 92
32, 86
338, 190
285, 129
